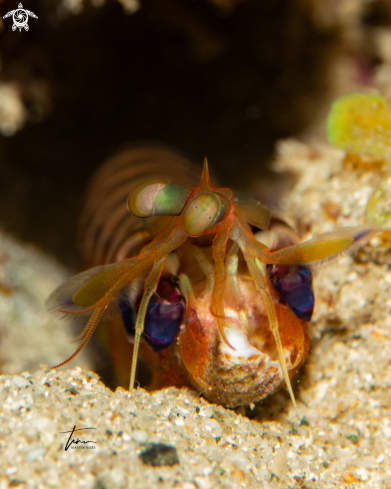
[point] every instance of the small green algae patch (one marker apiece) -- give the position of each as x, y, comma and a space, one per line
361, 123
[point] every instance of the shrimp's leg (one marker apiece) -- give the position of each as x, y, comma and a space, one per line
149, 290
186, 289
231, 290
217, 307
204, 264
86, 333
95, 291
256, 270
243, 236
93, 294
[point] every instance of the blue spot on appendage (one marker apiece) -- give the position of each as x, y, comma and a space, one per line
362, 234
162, 320
162, 323
294, 283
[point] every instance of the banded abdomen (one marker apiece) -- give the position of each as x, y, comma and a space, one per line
108, 232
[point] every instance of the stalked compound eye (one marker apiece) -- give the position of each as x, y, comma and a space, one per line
203, 212
163, 318
294, 283
158, 197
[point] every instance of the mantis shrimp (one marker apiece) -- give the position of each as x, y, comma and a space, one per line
216, 291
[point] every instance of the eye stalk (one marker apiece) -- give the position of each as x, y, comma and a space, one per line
158, 197
203, 212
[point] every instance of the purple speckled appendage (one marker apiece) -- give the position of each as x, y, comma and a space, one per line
294, 283
163, 318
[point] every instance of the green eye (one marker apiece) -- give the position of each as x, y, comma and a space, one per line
158, 197
203, 212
